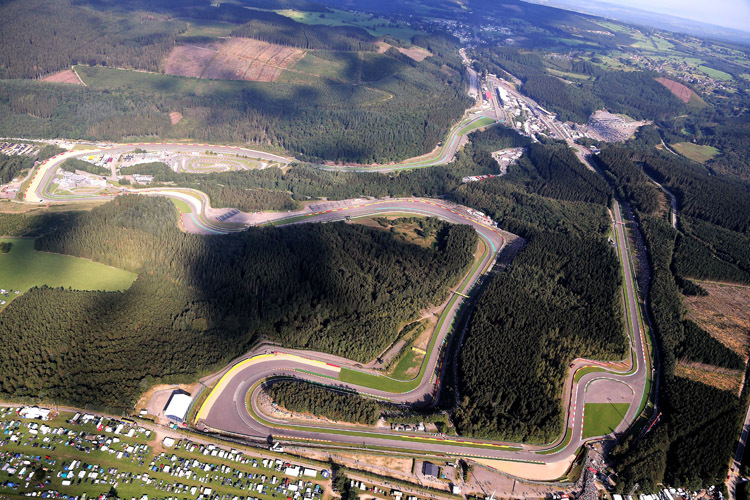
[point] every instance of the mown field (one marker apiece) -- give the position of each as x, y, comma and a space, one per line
602, 418
695, 152
23, 268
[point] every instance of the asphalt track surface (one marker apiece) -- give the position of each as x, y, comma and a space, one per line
229, 412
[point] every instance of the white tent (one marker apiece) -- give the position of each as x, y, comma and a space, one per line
178, 406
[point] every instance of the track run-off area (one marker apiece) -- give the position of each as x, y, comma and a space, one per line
231, 406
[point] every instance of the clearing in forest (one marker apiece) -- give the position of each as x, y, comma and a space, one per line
724, 314
416, 53
23, 267
695, 152
682, 92
232, 59
65, 76
721, 378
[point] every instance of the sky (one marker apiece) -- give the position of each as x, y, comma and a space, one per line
727, 13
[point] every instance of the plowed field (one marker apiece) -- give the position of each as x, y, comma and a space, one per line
232, 59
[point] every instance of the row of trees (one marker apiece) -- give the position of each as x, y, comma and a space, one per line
73, 164
304, 397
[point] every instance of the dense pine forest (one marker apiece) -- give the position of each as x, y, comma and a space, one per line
559, 300
12, 166
404, 109
691, 446
198, 301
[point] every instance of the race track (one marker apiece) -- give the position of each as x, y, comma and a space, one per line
225, 409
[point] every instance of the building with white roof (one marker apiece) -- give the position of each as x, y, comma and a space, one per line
178, 406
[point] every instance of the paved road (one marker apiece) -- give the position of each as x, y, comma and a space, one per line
444, 154
228, 412
37, 191
672, 200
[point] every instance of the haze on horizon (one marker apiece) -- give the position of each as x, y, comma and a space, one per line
727, 13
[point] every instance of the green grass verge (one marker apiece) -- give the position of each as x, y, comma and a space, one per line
561, 446
23, 268
585, 371
482, 122
602, 418
408, 361
182, 206
382, 383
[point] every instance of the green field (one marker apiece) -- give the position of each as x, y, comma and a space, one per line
715, 73
205, 27
482, 122
585, 371
23, 268
336, 65
695, 152
561, 446
377, 26
602, 418
410, 359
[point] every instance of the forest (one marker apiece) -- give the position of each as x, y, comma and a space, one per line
404, 110
554, 171
560, 300
304, 397
567, 270
199, 301
691, 445
713, 240
274, 28
497, 138
13, 165
304, 182
51, 35
400, 115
